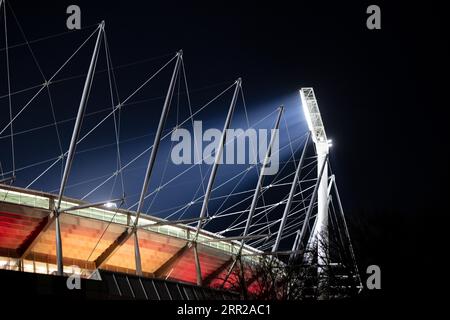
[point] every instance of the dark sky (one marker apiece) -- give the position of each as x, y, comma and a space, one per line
380, 91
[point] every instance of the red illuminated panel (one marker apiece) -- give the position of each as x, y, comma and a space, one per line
184, 268
253, 286
232, 281
15, 229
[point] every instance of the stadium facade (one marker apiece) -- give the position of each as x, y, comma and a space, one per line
28, 241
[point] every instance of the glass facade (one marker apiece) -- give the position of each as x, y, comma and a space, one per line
24, 199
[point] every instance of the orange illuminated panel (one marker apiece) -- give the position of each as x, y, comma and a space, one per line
83, 239
155, 250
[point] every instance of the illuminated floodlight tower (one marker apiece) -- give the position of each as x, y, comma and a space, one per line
322, 144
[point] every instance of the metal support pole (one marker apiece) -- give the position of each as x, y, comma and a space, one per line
341, 209
261, 179
287, 208
212, 176
80, 115
256, 194
321, 231
242, 281
312, 238
157, 140
59, 254
197, 265
301, 235
73, 144
152, 159
219, 152
137, 255
229, 272
308, 256
297, 236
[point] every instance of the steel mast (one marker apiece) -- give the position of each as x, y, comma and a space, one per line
256, 193
287, 208
152, 159
212, 177
319, 137
73, 144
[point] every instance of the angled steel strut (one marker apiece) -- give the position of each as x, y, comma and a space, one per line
287, 208
212, 176
301, 233
73, 144
152, 159
256, 194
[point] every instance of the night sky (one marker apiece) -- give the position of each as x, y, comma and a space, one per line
380, 93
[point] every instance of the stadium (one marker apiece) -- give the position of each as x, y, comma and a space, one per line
49, 237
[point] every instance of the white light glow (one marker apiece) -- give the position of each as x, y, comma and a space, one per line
110, 205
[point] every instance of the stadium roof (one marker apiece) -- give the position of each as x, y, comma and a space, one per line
27, 240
